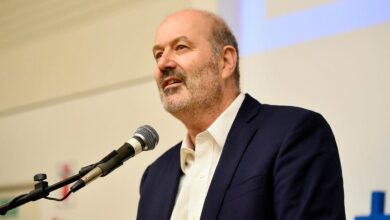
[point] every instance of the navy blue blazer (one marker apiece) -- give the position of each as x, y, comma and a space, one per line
278, 162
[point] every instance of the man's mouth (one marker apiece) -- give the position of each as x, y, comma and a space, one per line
171, 82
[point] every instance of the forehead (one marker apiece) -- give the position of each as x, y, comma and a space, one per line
192, 25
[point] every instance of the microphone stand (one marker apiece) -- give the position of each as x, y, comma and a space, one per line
42, 189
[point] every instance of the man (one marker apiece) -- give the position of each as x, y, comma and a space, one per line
240, 159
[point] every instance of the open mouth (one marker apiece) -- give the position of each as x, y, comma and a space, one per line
171, 82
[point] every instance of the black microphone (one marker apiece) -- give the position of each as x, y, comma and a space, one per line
145, 138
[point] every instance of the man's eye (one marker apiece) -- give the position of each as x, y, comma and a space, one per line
180, 47
157, 55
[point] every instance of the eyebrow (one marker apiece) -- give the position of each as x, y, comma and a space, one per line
174, 41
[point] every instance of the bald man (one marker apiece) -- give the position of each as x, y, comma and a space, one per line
239, 159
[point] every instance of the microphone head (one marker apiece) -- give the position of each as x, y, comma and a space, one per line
148, 135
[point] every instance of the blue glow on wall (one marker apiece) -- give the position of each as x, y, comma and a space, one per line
258, 34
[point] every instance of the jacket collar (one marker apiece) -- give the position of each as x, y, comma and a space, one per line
237, 141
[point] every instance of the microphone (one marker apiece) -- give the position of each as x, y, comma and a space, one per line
145, 138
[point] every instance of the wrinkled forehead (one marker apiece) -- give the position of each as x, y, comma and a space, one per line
190, 24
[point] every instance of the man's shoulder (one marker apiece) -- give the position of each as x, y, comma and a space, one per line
281, 112
278, 119
288, 110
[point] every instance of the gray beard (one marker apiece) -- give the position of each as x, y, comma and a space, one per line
204, 93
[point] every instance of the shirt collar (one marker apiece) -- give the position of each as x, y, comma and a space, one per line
219, 130
187, 155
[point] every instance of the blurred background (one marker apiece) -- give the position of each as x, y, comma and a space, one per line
76, 81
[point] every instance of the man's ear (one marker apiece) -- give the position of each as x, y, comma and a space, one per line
229, 59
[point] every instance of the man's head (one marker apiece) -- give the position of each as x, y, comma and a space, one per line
197, 62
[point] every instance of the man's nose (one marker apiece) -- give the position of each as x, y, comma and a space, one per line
166, 61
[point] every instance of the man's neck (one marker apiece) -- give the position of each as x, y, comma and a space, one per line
198, 120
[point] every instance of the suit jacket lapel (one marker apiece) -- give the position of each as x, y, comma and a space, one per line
236, 143
169, 185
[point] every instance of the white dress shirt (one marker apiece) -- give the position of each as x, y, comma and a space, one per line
199, 166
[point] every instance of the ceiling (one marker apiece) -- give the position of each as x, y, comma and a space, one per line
22, 20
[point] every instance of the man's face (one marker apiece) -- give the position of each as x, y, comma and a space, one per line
187, 72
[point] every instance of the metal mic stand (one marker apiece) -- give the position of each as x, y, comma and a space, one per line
42, 188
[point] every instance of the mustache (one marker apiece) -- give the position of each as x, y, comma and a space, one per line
174, 73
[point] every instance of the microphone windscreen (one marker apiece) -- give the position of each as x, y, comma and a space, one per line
148, 135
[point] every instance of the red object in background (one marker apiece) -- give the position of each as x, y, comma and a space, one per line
65, 174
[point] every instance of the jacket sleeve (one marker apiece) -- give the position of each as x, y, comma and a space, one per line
308, 181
